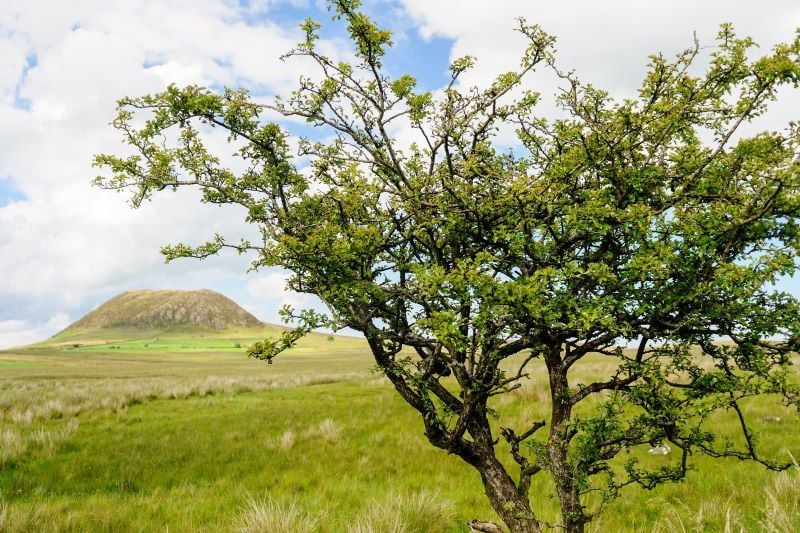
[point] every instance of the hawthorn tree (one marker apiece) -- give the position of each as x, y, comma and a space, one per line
640, 233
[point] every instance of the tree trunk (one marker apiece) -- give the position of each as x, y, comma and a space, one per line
573, 517
513, 508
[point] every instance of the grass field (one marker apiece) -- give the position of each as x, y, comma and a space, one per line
181, 433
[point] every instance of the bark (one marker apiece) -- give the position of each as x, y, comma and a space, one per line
573, 516
513, 508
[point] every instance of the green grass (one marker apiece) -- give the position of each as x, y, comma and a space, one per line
203, 439
193, 463
179, 337
19, 364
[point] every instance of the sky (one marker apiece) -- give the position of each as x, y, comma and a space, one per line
66, 247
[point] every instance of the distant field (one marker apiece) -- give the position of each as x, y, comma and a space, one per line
187, 434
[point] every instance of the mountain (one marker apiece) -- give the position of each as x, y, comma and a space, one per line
163, 322
202, 309
164, 313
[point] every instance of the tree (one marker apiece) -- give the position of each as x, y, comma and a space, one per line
652, 222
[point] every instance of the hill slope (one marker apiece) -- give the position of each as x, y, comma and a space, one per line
164, 313
168, 309
162, 322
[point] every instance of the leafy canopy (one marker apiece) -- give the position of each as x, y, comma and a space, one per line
651, 221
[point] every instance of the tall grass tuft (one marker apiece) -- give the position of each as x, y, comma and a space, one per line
286, 441
408, 513
268, 516
327, 430
704, 518
16, 443
13, 520
782, 505
12, 445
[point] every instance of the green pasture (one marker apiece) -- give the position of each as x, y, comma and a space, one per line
187, 434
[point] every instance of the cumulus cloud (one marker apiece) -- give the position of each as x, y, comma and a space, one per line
608, 43
21, 332
271, 288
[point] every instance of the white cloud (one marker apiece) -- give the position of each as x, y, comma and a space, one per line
271, 287
21, 332
606, 43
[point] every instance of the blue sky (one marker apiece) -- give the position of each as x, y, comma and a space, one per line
9, 192
66, 247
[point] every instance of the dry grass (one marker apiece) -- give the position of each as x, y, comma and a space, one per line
12, 445
782, 505
327, 430
287, 440
28, 402
682, 520
15, 443
781, 510
408, 513
531, 392
15, 520
268, 516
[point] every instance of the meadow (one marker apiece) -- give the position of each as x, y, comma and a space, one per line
185, 433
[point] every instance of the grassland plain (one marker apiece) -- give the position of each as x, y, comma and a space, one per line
171, 431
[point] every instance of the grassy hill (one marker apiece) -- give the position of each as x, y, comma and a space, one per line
187, 335
147, 314
174, 321
192, 334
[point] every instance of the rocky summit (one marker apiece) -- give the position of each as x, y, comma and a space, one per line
163, 309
